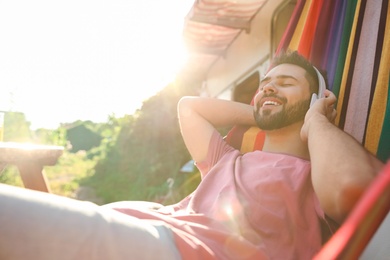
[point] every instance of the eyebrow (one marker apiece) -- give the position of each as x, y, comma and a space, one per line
279, 77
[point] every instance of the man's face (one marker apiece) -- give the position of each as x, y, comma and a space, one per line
283, 98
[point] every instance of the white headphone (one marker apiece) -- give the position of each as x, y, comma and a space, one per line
321, 87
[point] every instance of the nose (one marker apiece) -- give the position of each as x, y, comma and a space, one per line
269, 87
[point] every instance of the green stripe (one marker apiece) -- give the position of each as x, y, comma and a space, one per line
383, 152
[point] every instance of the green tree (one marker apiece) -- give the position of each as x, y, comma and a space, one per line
147, 153
16, 128
50, 136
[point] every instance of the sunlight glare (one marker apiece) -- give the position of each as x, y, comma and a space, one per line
85, 60
229, 210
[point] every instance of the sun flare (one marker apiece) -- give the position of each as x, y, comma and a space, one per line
106, 59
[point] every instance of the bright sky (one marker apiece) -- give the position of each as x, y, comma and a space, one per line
61, 61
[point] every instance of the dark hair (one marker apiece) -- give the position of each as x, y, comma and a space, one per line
293, 57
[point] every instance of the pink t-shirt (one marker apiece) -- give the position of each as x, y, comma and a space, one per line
256, 205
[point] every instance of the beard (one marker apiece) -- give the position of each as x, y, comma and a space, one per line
289, 115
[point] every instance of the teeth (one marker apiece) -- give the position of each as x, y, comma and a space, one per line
270, 103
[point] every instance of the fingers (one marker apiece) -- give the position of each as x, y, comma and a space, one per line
334, 115
326, 105
330, 100
330, 97
331, 114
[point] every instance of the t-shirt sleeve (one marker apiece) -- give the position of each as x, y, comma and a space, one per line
218, 147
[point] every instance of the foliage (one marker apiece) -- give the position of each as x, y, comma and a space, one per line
139, 157
50, 137
16, 128
64, 177
148, 152
10, 175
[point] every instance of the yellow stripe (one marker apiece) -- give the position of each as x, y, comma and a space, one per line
294, 43
249, 139
347, 63
378, 107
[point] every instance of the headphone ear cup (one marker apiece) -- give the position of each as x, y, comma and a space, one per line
314, 98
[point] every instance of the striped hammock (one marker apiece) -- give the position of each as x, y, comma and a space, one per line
351, 41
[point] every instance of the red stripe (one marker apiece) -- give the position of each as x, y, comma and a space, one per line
289, 32
305, 43
259, 142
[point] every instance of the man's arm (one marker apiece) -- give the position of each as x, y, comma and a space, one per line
341, 168
198, 117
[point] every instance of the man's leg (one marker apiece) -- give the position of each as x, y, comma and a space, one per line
37, 225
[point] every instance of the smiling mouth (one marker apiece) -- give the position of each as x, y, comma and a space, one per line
271, 100
271, 103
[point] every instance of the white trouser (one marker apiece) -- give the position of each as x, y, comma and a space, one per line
37, 225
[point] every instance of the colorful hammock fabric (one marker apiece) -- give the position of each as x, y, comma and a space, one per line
351, 41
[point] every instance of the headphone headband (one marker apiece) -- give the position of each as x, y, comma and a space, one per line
321, 83
321, 87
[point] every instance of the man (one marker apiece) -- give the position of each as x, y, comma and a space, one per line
259, 205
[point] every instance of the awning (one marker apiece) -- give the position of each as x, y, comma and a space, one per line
212, 26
